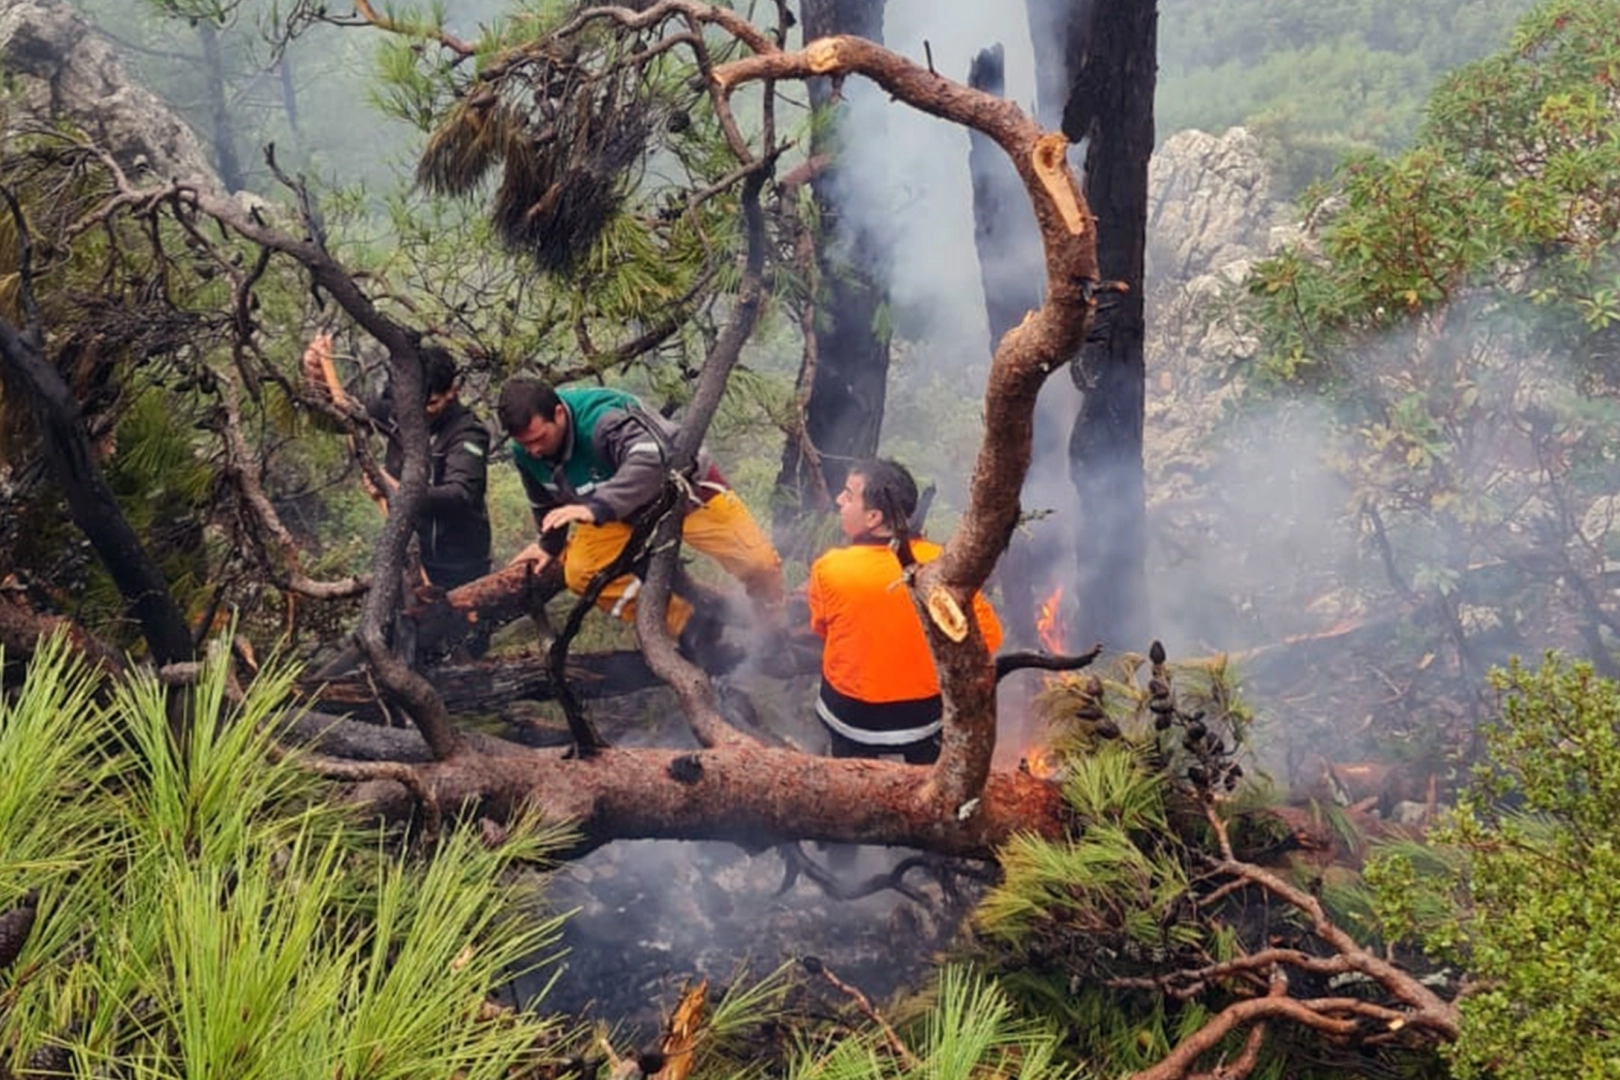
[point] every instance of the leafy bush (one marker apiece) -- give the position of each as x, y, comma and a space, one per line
1524, 893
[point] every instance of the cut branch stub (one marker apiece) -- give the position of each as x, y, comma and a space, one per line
1051, 164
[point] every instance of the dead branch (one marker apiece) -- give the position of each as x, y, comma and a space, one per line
797, 862
1427, 1007
242, 468
815, 967
1009, 662
448, 40
22, 628
356, 772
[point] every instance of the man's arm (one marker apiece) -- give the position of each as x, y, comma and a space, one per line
637, 457
466, 473
815, 592
541, 503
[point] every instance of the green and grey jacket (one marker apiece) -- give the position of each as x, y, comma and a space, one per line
613, 461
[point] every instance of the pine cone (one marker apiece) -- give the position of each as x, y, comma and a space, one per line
48, 1061
15, 926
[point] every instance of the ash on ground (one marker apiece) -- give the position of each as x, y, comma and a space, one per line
649, 916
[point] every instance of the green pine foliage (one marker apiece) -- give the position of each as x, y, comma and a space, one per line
972, 1029
203, 911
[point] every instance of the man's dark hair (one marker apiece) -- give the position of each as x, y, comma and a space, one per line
522, 399
890, 490
438, 369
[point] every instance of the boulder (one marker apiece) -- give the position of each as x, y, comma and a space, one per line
62, 71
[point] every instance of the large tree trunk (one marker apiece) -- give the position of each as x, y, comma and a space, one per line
1110, 56
849, 354
219, 109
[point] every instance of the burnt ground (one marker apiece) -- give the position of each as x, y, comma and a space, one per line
651, 916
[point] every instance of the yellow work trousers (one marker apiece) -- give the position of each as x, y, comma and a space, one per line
721, 528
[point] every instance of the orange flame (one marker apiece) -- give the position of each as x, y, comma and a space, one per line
1046, 623
1040, 762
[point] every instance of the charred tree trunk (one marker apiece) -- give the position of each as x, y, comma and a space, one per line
219, 112
848, 383
1109, 52
1009, 250
27, 374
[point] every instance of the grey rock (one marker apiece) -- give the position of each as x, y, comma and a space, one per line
1212, 203
63, 71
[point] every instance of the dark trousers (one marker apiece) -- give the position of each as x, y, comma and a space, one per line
449, 576
921, 752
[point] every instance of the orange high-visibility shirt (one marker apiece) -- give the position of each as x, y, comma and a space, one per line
876, 650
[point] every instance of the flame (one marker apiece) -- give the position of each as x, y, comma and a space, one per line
1040, 762
1046, 623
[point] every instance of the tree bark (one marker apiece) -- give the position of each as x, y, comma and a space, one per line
743, 793
27, 374
843, 415
1110, 50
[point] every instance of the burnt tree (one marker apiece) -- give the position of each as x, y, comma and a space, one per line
28, 375
1109, 60
843, 382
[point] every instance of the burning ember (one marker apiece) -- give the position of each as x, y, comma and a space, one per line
1041, 762
1046, 623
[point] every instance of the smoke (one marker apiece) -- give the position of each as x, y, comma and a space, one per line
915, 181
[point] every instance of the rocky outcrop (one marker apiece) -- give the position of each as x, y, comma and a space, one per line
1212, 204
62, 71
1213, 215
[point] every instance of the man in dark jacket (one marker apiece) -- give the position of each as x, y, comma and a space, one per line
593, 458
452, 524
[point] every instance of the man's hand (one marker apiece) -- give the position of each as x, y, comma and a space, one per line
386, 492
535, 554
320, 376
564, 516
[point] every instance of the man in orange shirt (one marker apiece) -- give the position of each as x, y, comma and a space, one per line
879, 689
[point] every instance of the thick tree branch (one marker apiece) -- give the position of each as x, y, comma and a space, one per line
755, 795
694, 689
27, 374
